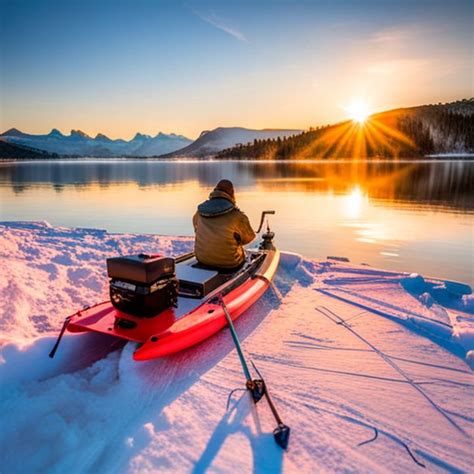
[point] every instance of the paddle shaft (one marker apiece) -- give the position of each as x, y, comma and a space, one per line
236, 340
257, 387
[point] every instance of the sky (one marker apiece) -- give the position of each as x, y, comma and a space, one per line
118, 67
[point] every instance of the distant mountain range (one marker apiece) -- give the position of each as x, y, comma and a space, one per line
80, 144
407, 132
167, 146
211, 142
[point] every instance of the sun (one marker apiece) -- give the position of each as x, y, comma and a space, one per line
358, 111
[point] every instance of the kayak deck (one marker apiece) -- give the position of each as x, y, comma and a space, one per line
193, 321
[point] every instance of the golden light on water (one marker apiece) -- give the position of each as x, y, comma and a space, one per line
353, 203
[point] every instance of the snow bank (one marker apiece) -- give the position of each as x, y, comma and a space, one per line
450, 301
51, 272
346, 350
442, 309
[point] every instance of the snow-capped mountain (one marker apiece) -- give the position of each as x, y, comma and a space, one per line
211, 142
79, 143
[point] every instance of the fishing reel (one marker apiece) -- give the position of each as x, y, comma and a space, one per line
267, 240
267, 237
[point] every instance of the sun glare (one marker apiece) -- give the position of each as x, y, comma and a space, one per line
358, 111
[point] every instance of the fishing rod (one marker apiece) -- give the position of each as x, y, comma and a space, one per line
262, 218
256, 387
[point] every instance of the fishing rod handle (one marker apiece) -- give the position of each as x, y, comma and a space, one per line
264, 213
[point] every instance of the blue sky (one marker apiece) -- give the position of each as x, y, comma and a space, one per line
119, 67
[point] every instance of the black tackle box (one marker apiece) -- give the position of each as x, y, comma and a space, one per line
142, 285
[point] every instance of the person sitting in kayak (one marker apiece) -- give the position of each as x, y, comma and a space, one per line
221, 229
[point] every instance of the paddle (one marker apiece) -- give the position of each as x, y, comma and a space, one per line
257, 387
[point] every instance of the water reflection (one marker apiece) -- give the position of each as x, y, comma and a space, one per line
437, 183
82, 173
411, 216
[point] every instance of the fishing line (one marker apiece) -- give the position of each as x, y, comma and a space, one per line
356, 316
387, 359
231, 393
377, 431
380, 303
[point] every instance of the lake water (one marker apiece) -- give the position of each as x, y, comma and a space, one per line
410, 216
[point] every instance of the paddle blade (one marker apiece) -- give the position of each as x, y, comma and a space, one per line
282, 436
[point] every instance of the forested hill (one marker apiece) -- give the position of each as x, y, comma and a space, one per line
406, 132
12, 151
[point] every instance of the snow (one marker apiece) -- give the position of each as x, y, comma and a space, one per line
213, 141
345, 349
452, 155
79, 143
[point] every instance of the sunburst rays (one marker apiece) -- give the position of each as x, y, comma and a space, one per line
353, 140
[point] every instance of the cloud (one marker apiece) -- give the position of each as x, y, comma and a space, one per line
392, 35
399, 66
405, 35
218, 23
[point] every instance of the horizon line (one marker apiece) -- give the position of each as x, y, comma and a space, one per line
296, 129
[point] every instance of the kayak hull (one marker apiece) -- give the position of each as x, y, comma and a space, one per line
171, 332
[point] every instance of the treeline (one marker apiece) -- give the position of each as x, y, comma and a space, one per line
409, 132
12, 151
275, 148
442, 129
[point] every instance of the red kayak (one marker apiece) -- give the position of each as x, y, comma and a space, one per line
193, 319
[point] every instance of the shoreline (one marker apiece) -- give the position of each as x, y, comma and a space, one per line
426, 159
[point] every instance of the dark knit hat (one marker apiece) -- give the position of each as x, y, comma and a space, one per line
226, 186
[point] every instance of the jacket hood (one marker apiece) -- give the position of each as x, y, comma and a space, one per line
217, 193
219, 203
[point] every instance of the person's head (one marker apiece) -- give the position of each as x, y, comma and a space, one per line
226, 186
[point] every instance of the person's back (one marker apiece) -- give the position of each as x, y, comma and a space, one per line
221, 229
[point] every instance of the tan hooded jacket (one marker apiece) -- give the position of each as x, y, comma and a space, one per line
220, 238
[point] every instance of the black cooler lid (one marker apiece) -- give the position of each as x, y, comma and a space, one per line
141, 268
